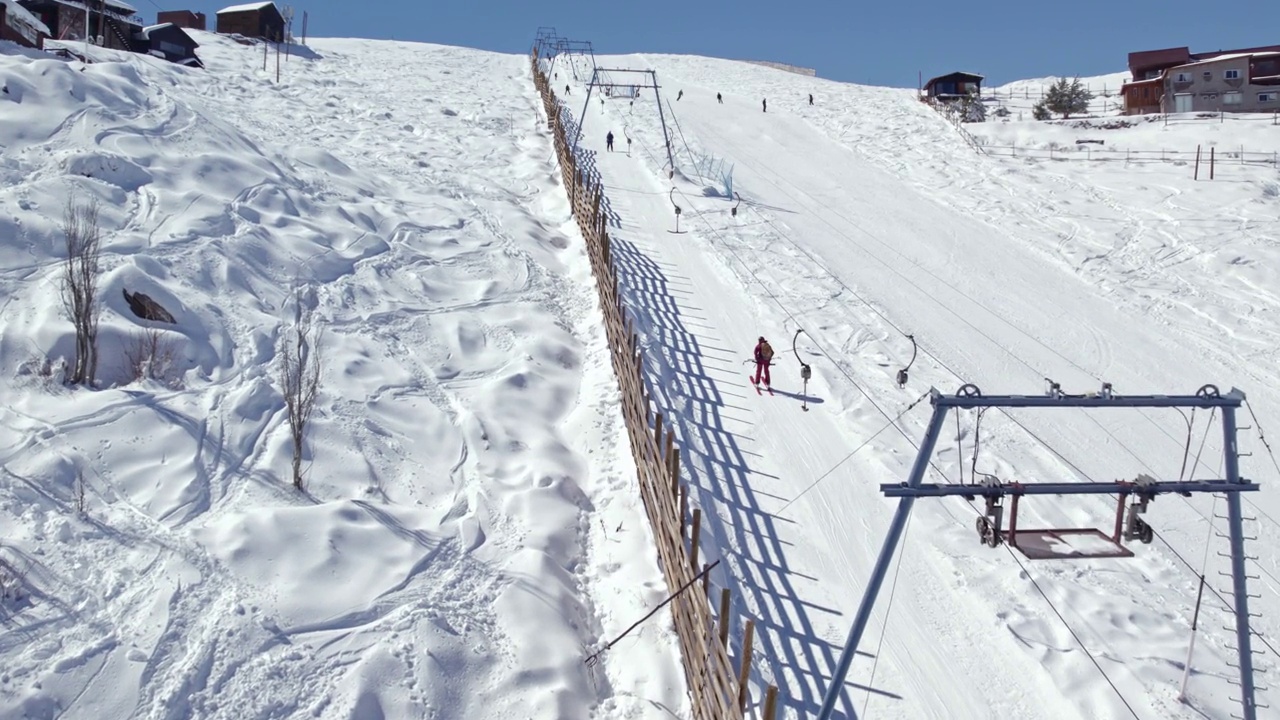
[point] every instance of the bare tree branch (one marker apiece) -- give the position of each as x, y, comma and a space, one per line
82, 231
300, 379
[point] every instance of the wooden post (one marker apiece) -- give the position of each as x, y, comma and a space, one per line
1211, 154
277, 63
264, 54
666, 455
744, 674
706, 581
684, 506
657, 430
1196, 174
724, 617
693, 539
770, 703
675, 470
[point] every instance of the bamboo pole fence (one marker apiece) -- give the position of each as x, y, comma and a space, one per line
717, 688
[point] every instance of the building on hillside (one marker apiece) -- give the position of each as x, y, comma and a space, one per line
1177, 80
957, 85
18, 25
182, 18
114, 22
255, 20
168, 41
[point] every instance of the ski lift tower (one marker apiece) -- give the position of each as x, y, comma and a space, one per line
602, 78
1065, 543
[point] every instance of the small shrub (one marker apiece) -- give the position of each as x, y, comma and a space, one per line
150, 355
12, 582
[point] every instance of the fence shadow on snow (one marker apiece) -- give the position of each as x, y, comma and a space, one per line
679, 370
693, 377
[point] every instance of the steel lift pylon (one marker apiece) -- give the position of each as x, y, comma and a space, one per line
1062, 543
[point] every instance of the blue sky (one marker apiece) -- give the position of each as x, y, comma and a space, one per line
881, 43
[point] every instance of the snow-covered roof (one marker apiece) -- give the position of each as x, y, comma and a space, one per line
23, 15
1232, 56
959, 72
244, 8
113, 7
146, 31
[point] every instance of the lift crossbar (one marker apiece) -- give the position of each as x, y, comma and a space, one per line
1232, 399
1103, 488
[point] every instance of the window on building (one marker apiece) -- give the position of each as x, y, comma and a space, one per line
1268, 97
1231, 98
1182, 77
1207, 75
1231, 75
172, 49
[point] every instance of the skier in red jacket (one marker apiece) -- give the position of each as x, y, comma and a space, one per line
764, 356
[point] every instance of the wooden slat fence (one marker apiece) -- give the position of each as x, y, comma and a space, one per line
715, 684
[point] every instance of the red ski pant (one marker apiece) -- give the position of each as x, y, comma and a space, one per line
762, 368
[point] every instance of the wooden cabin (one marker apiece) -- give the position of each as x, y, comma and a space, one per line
954, 86
254, 20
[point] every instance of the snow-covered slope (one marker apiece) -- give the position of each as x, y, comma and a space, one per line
468, 531
866, 217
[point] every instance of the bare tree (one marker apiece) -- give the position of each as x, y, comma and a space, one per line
80, 494
83, 233
150, 354
300, 379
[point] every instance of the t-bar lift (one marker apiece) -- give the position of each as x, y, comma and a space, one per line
1063, 543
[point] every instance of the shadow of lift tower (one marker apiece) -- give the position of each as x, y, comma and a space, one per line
1044, 543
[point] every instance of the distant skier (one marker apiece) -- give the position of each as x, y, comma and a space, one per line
628, 147
719, 99
566, 90
764, 356
764, 105
608, 140
679, 95
810, 98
